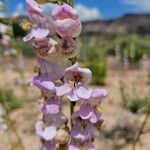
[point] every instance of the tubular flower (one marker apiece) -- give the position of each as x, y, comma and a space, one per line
66, 20
89, 108
81, 135
45, 52
42, 25
67, 47
75, 83
50, 70
47, 134
51, 105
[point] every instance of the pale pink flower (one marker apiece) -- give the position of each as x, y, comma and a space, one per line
42, 25
89, 109
50, 106
49, 145
81, 135
66, 21
84, 124
50, 70
67, 47
75, 83
44, 84
74, 145
47, 133
56, 120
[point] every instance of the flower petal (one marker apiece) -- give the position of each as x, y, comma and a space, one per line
51, 107
59, 119
62, 90
95, 116
72, 95
43, 83
89, 146
50, 69
83, 92
74, 146
99, 93
40, 32
49, 133
86, 73
92, 130
38, 128
70, 11
28, 37
32, 5
74, 67
68, 27
57, 12
85, 111
49, 145
78, 134
66, 9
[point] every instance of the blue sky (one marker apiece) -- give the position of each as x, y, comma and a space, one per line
95, 9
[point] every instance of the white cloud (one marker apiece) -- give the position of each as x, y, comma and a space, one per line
87, 13
139, 5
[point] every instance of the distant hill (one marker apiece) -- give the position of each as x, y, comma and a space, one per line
130, 23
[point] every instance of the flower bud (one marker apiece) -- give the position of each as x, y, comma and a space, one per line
62, 136
67, 47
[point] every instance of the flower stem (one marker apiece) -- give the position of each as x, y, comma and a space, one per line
71, 2
72, 106
11, 122
13, 127
141, 130
73, 60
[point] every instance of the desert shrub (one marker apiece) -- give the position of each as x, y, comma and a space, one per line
130, 44
123, 131
99, 71
18, 31
134, 103
90, 52
137, 56
138, 105
25, 48
129, 47
8, 100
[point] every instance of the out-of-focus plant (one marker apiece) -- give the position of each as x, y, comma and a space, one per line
130, 46
91, 52
18, 31
134, 103
9, 103
94, 57
99, 71
124, 130
9, 100
25, 48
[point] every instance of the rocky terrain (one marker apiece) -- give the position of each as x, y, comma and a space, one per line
130, 23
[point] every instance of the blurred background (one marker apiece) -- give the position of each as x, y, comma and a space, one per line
114, 44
